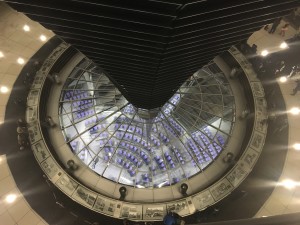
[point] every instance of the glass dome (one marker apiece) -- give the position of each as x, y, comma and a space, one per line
146, 148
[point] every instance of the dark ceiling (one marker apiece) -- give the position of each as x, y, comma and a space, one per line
149, 47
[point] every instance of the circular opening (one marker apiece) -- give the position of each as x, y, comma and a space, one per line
146, 148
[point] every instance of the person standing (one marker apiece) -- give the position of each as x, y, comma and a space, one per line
266, 27
284, 29
297, 88
275, 25
172, 218
295, 70
280, 69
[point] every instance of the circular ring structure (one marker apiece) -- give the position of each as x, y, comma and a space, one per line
167, 121
146, 148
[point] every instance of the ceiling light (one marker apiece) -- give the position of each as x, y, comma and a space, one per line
296, 146
43, 38
289, 184
21, 61
264, 53
10, 198
26, 28
283, 45
295, 110
3, 89
1, 55
282, 79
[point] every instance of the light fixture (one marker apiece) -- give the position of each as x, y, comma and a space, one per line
43, 38
289, 184
122, 191
283, 45
183, 189
295, 110
71, 166
1, 54
10, 198
26, 28
228, 158
50, 122
21, 61
283, 79
264, 53
3, 89
296, 146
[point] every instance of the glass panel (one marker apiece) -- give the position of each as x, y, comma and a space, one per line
77, 145
213, 109
70, 132
228, 101
142, 148
221, 139
216, 99
229, 114
66, 120
211, 89
226, 90
98, 165
112, 172
226, 126
126, 177
143, 180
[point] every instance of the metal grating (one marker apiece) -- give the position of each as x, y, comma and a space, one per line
148, 47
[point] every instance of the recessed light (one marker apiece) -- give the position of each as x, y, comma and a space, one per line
43, 38
289, 184
1, 54
264, 53
295, 110
21, 61
10, 198
3, 89
296, 146
26, 28
283, 45
282, 79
